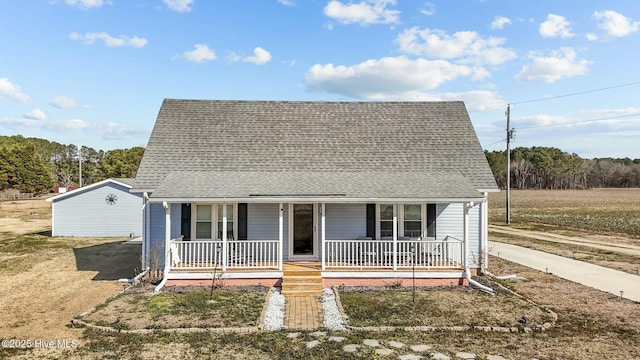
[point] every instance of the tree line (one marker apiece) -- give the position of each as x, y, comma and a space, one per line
36, 165
552, 168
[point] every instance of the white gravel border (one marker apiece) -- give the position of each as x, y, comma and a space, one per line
274, 316
332, 315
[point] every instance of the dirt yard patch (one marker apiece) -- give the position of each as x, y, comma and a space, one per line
46, 281
24, 217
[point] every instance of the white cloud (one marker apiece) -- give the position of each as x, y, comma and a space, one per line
64, 102
260, 56
616, 24
179, 5
35, 114
556, 26
287, 2
429, 9
542, 120
109, 41
499, 22
563, 63
84, 4
390, 76
106, 130
591, 37
12, 91
467, 46
475, 101
200, 54
364, 13
59, 125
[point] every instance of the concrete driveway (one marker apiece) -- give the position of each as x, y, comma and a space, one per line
601, 278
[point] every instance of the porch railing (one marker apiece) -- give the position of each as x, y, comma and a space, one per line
207, 254
421, 254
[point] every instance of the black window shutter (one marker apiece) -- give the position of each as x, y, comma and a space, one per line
242, 221
185, 221
371, 220
431, 220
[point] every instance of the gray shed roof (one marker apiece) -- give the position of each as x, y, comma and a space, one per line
196, 143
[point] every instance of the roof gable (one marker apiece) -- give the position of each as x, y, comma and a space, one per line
124, 182
272, 136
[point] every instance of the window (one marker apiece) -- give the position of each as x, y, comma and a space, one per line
412, 220
230, 235
386, 220
203, 222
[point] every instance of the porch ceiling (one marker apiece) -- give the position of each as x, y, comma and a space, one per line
337, 186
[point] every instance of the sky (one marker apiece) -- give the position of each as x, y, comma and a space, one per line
95, 72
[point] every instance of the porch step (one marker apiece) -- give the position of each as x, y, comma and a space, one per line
300, 281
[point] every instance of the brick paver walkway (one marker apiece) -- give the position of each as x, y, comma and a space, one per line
303, 313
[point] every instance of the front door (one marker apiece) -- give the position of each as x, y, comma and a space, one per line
303, 244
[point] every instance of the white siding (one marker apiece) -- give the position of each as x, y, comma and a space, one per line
449, 221
346, 221
86, 213
262, 222
474, 235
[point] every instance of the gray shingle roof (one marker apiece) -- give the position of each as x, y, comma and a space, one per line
294, 184
320, 137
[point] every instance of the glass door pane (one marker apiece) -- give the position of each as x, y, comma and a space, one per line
303, 229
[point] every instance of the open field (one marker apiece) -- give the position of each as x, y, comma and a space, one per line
601, 211
597, 218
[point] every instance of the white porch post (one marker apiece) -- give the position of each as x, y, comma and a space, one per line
322, 237
484, 241
167, 236
465, 235
280, 235
224, 237
395, 236
145, 234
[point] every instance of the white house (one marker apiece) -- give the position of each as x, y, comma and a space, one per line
365, 192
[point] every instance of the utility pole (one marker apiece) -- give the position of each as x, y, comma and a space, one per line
80, 165
510, 133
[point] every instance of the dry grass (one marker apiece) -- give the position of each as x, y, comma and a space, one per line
439, 308
607, 258
602, 211
192, 308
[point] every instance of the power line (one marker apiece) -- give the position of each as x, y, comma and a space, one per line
576, 93
579, 122
493, 143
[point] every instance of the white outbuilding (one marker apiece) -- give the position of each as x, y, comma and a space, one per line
102, 209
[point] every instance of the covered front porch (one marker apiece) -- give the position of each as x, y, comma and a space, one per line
373, 240
345, 255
